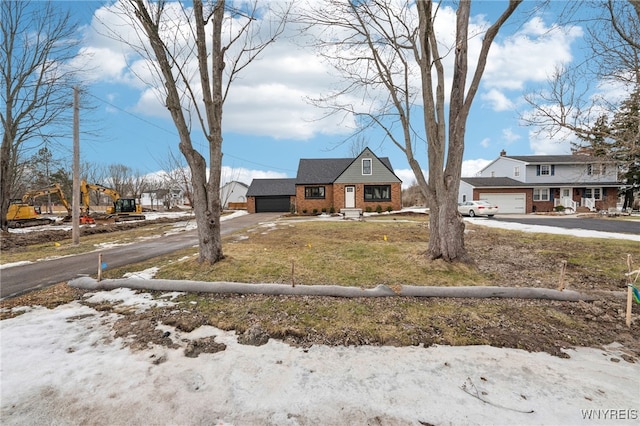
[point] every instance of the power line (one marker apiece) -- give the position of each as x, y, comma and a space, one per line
176, 135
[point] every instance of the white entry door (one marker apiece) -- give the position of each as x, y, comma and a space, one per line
349, 197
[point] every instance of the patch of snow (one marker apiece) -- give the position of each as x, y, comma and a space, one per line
147, 274
63, 366
126, 297
552, 230
10, 265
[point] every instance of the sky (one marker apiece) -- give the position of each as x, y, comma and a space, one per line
268, 121
77, 373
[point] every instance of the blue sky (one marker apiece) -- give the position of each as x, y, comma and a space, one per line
268, 126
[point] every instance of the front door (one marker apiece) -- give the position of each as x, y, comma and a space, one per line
349, 197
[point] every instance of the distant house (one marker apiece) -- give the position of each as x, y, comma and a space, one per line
330, 184
540, 183
159, 199
234, 194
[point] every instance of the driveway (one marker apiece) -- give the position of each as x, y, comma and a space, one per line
572, 222
21, 279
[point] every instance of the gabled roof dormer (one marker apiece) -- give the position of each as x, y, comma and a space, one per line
368, 168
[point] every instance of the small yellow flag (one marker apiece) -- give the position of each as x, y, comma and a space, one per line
384, 238
309, 245
56, 244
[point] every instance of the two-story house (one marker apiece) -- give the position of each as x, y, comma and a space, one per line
326, 184
540, 183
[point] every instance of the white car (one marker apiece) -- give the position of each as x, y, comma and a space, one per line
477, 208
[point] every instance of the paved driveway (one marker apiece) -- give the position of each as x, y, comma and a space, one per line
572, 222
20, 279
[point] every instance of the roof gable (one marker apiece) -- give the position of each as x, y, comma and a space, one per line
381, 170
317, 171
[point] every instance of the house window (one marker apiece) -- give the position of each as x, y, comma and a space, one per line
366, 166
493, 173
314, 192
596, 169
516, 171
545, 170
377, 192
541, 194
595, 193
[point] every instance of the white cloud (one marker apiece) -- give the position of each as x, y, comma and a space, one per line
498, 100
509, 136
529, 55
485, 142
407, 176
245, 176
546, 143
471, 167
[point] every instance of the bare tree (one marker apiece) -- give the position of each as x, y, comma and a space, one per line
196, 67
36, 43
389, 54
177, 176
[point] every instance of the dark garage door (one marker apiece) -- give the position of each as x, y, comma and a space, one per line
272, 204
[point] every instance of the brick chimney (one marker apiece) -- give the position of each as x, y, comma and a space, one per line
503, 153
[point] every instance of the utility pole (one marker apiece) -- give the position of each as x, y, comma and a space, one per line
75, 215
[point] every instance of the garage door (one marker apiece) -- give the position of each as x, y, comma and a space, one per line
507, 203
272, 204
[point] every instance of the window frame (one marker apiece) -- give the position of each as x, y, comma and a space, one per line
308, 190
543, 168
516, 171
543, 194
370, 189
370, 167
593, 193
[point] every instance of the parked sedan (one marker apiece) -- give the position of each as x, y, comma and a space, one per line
477, 208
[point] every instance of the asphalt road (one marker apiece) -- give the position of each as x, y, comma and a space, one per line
21, 279
570, 222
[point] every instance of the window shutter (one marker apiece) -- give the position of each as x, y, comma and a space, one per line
553, 170
538, 170
604, 192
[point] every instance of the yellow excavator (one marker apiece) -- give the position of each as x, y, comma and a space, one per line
123, 208
22, 212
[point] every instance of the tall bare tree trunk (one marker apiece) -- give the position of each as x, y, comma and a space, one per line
206, 194
445, 147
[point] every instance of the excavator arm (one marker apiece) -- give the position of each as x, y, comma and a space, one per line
54, 189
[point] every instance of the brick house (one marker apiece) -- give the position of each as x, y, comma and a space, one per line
330, 184
540, 183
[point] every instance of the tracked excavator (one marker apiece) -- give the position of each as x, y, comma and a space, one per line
123, 209
22, 213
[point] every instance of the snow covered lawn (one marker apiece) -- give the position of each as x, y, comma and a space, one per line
63, 366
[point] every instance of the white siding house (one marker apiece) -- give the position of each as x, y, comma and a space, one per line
540, 183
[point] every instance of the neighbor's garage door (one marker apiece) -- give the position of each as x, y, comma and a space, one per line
507, 203
272, 204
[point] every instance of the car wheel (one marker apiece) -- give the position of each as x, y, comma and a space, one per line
490, 215
471, 213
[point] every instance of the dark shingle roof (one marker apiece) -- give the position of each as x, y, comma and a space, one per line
326, 170
505, 182
492, 181
273, 187
555, 159
321, 170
